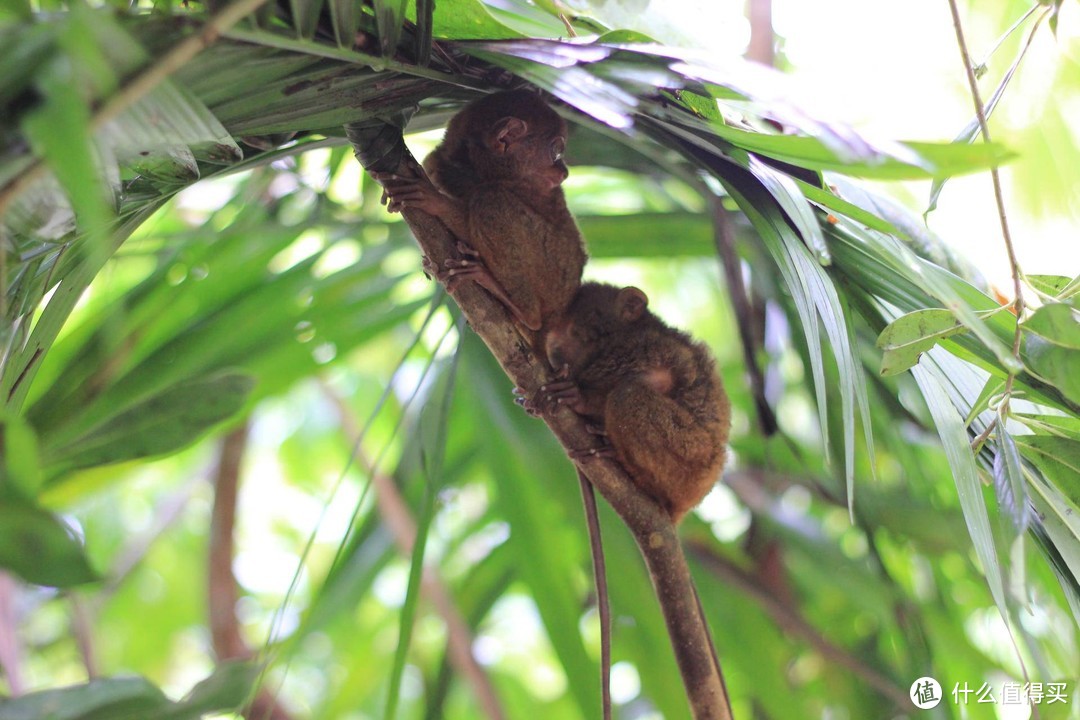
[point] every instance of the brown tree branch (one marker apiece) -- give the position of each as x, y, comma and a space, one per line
395, 513
11, 655
724, 239
382, 149
789, 620
222, 589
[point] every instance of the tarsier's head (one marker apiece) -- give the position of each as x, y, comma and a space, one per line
509, 134
598, 313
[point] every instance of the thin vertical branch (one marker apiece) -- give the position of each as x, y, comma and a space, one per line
222, 590
980, 113
724, 238
10, 648
762, 47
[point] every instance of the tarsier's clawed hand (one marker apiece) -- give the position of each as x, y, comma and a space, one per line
400, 192
548, 399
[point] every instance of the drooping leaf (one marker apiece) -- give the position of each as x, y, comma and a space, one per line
39, 548
160, 424
954, 440
1009, 479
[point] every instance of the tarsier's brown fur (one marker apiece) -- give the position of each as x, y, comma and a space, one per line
654, 391
496, 182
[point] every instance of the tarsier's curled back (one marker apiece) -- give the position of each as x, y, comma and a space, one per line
496, 183
654, 391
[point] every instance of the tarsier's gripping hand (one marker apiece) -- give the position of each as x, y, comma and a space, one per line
565, 393
416, 191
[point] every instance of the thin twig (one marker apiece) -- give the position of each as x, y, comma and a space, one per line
980, 113
11, 656
83, 630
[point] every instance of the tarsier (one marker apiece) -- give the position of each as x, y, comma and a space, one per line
495, 181
653, 392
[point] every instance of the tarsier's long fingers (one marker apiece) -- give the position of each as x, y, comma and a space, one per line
564, 391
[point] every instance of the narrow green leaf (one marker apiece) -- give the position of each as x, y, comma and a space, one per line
994, 386
1009, 478
927, 160
1060, 518
1058, 458
389, 18
908, 337
345, 16
39, 548
786, 192
954, 441
160, 424
1055, 425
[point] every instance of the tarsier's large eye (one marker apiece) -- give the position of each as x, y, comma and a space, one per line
558, 147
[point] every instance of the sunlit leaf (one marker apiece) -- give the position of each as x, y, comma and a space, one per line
20, 470
1051, 285
908, 337
1057, 324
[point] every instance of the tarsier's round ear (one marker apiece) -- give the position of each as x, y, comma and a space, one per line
506, 132
630, 304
